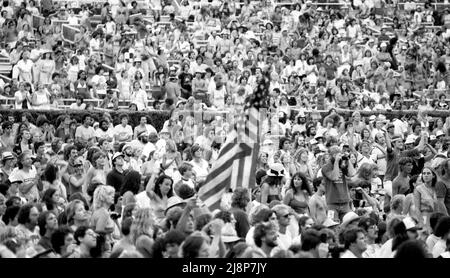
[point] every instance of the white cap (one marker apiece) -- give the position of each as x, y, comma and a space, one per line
349, 217
439, 133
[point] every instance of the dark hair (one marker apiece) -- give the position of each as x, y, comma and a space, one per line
310, 240
121, 116
47, 198
225, 215
350, 236
10, 213
434, 179
174, 237
261, 231
366, 222
400, 235
42, 222
131, 182
58, 238
237, 250
442, 227
404, 160
434, 219
80, 232
382, 227
240, 198
68, 150
282, 141
126, 225
100, 248
50, 172
202, 220
128, 210
191, 246
262, 216
411, 249
158, 183
184, 167
24, 214
305, 183
317, 182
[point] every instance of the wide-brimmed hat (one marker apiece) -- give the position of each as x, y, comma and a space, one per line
329, 223
348, 218
439, 133
173, 202
229, 234
7, 155
276, 170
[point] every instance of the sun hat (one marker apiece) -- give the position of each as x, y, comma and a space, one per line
348, 218
276, 170
229, 234
329, 223
7, 155
174, 201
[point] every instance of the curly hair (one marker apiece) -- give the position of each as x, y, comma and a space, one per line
240, 198
100, 195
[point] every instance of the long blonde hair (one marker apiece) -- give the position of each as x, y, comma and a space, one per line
142, 224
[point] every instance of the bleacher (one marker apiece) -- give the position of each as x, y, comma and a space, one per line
69, 32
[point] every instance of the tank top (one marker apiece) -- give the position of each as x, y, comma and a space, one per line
427, 198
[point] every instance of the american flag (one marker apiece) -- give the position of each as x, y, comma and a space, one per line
237, 161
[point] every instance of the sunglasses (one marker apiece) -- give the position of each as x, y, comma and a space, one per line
78, 165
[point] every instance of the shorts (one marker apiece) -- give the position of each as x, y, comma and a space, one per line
340, 209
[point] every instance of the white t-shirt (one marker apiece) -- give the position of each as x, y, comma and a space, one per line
200, 169
27, 177
123, 132
85, 133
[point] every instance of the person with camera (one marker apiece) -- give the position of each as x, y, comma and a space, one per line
336, 174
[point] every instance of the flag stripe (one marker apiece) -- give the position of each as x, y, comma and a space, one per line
222, 182
221, 166
236, 164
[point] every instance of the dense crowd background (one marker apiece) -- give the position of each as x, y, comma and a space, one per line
332, 186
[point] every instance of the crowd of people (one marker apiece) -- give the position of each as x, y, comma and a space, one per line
326, 187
